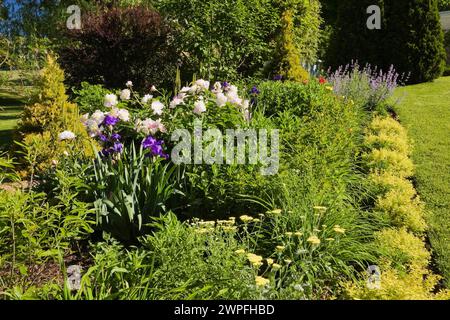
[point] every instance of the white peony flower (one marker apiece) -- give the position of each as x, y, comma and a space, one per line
202, 84
199, 107
221, 99
123, 115
176, 101
125, 94
98, 116
147, 98
110, 100
233, 97
67, 135
129, 84
157, 107
153, 89
149, 126
185, 89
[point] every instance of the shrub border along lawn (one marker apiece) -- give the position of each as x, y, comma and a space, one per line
425, 112
404, 258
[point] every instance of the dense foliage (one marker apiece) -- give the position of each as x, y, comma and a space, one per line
410, 38
121, 43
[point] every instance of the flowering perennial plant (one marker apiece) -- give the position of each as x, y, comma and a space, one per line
151, 119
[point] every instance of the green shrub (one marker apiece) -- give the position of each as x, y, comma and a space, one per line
410, 37
89, 97
119, 44
131, 189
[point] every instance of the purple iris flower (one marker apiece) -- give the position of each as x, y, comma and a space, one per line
103, 137
115, 136
117, 147
155, 146
225, 85
278, 77
110, 120
254, 90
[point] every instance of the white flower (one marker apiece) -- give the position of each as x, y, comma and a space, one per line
147, 98
110, 100
65, 153
129, 84
245, 104
202, 84
84, 118
185, 89
123, 115
98, 116
176, 101
221, 99
149, 126
233, 89
199, 107
233, 97
217, 87
157, 107
125, 94
66, 135
153, 89
92, 128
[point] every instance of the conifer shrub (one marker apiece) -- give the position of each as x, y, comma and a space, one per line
47, 117
289, 64
410, 38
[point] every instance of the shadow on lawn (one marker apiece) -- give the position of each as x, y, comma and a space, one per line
11, 107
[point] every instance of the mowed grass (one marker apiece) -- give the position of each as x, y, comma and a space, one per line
11, 106
425, 111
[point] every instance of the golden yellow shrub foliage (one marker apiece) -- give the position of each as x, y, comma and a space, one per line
405, 259
48, 115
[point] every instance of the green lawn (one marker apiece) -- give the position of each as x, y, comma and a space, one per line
425, 110
11, 106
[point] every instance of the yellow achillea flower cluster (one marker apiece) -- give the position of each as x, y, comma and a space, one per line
245, 218
261, 282
313, 240
254, 259
337, 228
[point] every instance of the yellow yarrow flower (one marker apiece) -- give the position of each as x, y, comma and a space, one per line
240, 251
276, 266
245, 218
269, 261
261, 282
313, 240
338, 229
275, 211
280, 248
253, 258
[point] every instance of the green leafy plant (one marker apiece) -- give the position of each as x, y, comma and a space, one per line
130, 189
